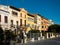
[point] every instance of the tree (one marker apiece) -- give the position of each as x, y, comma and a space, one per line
31, 32
1, 35
9, 35
54, 28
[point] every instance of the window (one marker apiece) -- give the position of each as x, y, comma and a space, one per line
0, 18
30, 19
20, 14
12, 22
20, 22
45, 26
32, 25
17, 23
39, 19
14, 13
42, 26
42, 22
6, 19
25, 22
35, 26
38, 27
28, 25
25, 16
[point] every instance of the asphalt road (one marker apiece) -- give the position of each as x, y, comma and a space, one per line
54, 41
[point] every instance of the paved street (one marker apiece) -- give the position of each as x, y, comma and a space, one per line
55, 41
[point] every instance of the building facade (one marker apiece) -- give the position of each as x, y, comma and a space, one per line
30, 23
37, 21
13, 18
23, 19
4, 16
9, 16
51, 22
44, 24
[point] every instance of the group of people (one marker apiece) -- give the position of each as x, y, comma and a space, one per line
21, 37
6, 37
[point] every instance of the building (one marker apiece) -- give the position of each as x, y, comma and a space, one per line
4, 16
30, 23
9, 16
51, 22
13, 17
42, 22
23, 19
37, 20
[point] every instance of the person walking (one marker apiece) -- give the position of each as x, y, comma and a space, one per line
23, 36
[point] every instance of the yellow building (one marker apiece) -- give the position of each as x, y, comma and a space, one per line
44, 24
30, 24
37, 21
23, 19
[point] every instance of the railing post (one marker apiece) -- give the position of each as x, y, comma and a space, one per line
47, 36
33, 38
38, 37
41, 34
25, 40
53, 35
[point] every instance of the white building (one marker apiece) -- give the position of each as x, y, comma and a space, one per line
9, 16
14, 16
4, 16
38, 21
51, 22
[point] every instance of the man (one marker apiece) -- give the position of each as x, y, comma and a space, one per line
23, 36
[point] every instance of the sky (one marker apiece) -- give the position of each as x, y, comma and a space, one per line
48, 8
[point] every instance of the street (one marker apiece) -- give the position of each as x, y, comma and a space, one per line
54, 41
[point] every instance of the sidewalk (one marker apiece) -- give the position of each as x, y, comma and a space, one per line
35, 42
31, 43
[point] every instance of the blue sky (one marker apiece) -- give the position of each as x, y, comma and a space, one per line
47, 8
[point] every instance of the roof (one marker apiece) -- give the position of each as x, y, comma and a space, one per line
15, 8
30, 15
42, 16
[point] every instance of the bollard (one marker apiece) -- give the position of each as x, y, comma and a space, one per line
56, 35
25, 40
21, 40
41, 34
50, 35
53, 35
32, 39
47, 36
43, 37
38, 38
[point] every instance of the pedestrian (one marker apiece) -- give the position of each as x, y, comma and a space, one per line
23, 36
